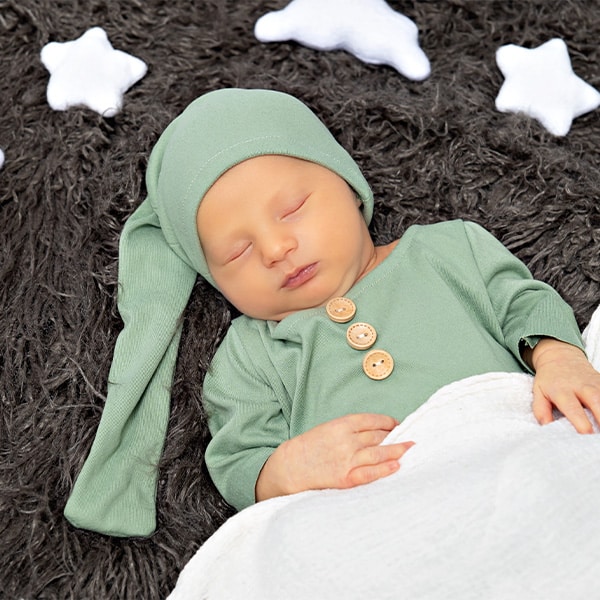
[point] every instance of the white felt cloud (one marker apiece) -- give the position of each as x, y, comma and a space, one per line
369, 29
541, 83
88, 71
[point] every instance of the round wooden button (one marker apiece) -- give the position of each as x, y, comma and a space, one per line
378, 364
340, 310
361, 336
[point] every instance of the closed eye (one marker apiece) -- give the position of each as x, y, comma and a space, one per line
239, 252
294, 208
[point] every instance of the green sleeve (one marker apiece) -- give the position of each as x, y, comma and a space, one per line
527, 309
244, 415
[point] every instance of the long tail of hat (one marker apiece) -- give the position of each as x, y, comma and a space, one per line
115, 491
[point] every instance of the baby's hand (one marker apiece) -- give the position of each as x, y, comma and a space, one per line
342, 453
565, 379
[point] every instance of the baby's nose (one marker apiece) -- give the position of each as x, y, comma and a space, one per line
275, 248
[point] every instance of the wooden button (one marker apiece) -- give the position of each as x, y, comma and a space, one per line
340, 310
361, 336
378, 364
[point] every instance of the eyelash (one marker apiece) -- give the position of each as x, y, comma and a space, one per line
295, 209
238, 254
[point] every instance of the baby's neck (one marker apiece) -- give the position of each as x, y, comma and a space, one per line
380, 253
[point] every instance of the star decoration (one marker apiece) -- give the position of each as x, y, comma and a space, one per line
369, 29
541, 83
88, 71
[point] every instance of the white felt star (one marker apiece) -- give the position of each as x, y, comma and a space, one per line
541, 83
89, 71
369, 29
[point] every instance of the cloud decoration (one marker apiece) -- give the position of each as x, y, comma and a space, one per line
369, 29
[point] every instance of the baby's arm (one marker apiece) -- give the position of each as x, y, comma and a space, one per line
341, 453
564, 379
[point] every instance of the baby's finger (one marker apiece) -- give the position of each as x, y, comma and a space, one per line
571, 407
590, 398
369, 473
542, 408
377, 462
372, 421
374, 455
373, 437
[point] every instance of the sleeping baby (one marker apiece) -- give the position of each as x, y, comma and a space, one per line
339, 339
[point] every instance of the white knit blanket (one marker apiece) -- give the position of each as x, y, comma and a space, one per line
487, 505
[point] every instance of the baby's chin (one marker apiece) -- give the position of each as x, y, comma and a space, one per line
281, 315
307, 299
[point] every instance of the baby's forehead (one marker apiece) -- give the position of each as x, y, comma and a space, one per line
271, 182
263, 173
257, 179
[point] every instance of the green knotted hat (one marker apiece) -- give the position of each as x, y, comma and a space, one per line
159, 259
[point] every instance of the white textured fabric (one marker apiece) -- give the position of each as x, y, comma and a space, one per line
487, 504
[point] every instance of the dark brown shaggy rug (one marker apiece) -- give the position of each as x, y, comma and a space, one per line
431, 150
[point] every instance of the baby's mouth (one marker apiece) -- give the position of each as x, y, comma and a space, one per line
300, 276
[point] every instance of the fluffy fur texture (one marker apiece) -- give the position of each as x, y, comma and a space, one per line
432, 150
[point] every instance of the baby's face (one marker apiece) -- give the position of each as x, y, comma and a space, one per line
281, 235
